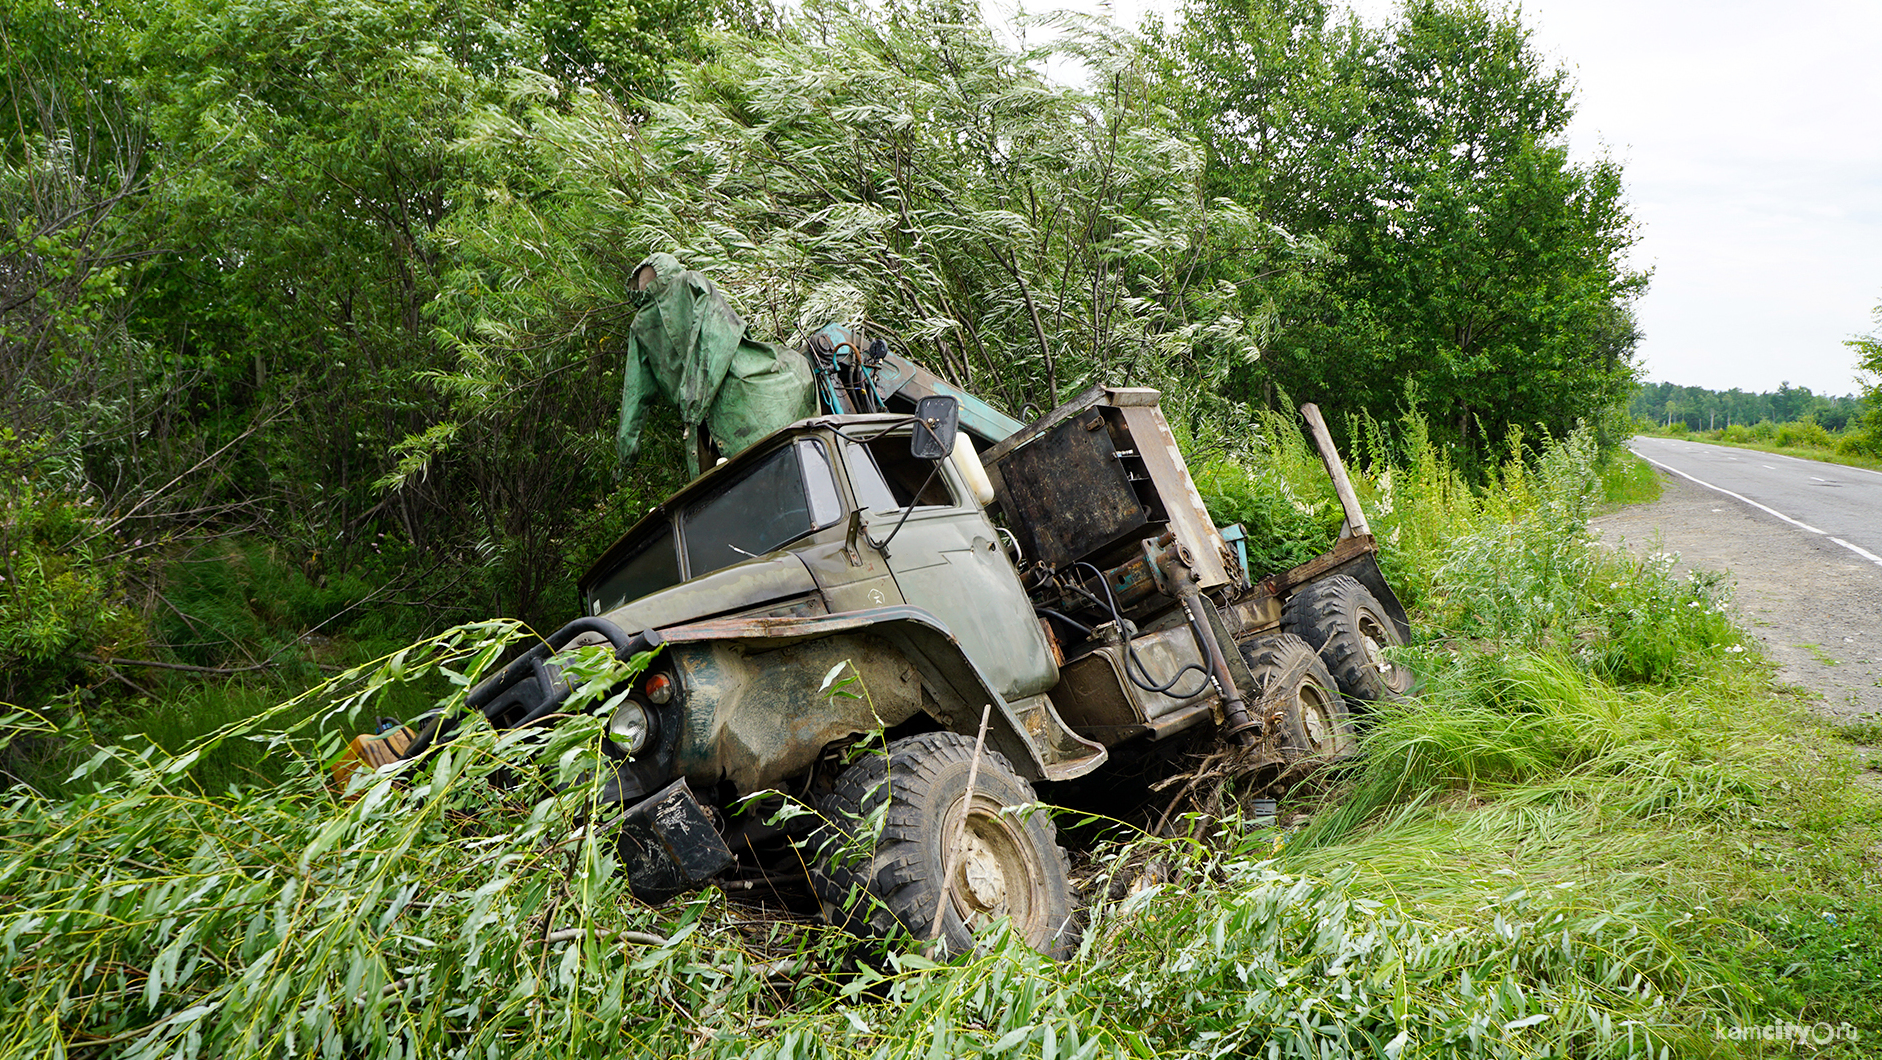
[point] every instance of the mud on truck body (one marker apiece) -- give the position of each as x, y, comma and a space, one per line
1015, 610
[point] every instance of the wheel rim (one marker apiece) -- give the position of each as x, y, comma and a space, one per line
1319, 719
1373, 637
996, 870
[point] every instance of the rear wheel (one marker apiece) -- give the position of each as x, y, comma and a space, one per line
1346, 624
1006, 864
1298, 697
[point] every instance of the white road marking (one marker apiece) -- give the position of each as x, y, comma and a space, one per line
1846, 467
1863, 552
1735, 496
1858, 550
1814, 478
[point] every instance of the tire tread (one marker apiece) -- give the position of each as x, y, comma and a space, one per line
888, 888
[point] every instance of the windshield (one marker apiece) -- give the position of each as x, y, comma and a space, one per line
652, 566
779, 498
785, 496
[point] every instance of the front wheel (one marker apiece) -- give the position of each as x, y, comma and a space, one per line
1007, 864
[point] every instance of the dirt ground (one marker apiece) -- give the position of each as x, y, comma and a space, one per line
1816, 607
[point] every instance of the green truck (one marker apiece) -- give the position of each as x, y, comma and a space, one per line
1022, 604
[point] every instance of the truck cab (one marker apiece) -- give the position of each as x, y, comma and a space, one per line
831, 543
833, 515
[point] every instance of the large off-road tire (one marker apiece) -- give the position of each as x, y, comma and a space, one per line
1010, 864
1341, 619
1297, 694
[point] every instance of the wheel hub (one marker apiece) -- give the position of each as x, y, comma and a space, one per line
993, 871
1376, 656
1323, 736
983, 880
1314, 721
1372, 640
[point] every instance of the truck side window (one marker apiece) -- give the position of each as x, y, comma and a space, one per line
783, 497
826, 505
885, 477
866, 481
654, 566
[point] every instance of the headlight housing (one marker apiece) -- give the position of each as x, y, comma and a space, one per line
631, 726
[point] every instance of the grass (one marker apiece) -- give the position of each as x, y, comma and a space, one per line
1685, 810
1599, 832
1627, 479
1863, 731
1816, 652
186, 710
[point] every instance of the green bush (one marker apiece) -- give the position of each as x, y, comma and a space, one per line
1804, 432
1858, 442
1276, 487
434, 908
61, 561
1520, 863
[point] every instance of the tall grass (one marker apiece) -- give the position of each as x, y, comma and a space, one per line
439, 912
1591, 721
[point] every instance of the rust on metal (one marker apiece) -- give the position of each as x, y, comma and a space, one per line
1068, 495
371, 751
1357, 558
1066, 754
1181, 507
1344, 551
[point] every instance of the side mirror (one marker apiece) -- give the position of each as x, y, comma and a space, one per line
934, 436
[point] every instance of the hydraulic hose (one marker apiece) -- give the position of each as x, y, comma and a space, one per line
1145, 682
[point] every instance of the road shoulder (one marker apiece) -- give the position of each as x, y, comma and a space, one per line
1815, 607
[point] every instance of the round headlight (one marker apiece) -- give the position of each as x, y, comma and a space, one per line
630, 726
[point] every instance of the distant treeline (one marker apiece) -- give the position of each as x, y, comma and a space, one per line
1705, 410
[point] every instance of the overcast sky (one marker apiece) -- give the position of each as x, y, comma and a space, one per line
1751, 139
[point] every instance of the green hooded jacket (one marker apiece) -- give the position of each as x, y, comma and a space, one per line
689, 345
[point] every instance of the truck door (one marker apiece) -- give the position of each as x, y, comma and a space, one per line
947, 560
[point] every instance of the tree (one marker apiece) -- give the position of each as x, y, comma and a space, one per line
621, 46
896, 168
1464, 254
72, 169
1869, 363
311, 155
221, 241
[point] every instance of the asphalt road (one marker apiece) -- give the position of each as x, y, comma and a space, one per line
1837, 503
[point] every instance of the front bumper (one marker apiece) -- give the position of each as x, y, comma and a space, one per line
668, 845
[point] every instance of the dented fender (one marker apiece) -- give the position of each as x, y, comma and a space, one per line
754, 715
